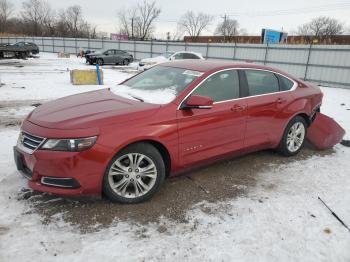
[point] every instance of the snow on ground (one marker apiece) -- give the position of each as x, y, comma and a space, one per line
336, 102
280, 219
48, 77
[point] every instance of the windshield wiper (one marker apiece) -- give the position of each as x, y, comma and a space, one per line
136, 97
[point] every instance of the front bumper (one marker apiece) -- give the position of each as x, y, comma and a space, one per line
64, 173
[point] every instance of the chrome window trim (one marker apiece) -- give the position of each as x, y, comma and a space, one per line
234, 99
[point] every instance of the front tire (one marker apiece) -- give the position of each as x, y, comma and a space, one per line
134, 175
126, 62
294, 137
99, 61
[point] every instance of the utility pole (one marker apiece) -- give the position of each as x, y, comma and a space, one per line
224, 26
132, 27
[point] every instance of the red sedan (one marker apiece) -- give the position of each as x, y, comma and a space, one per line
126, 140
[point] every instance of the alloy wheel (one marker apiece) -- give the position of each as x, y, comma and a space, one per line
295, 137
132, 175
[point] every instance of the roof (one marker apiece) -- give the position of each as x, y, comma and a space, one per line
213, 65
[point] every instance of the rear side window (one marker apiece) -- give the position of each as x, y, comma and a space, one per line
190, 56
261, 82
220, 87
285, 83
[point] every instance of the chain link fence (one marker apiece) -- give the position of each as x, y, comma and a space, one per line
327, 65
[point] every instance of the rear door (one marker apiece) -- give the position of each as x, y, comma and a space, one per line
119, 55
266, 100
206, 133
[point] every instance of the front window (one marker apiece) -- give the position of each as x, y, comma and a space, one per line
109, 52
179, 56
220, 87
158, 85
167, 54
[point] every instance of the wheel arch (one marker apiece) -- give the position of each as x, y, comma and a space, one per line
163, 150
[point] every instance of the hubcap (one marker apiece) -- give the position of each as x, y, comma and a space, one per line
132, 175
296, 136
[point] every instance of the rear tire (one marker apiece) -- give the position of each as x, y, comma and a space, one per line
293, 137
134, 174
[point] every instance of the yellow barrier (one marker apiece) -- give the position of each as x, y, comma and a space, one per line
84, 77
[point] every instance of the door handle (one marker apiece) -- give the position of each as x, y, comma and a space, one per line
281, 100
237, 108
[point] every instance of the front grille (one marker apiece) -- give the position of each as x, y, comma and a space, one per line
31, 142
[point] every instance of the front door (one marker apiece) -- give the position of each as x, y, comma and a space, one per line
108, 58
206, 133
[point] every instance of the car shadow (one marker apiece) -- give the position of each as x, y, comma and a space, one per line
216, 183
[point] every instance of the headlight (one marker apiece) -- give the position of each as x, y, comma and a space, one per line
72, 145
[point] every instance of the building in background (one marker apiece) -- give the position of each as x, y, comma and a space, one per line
334, 40
119, 37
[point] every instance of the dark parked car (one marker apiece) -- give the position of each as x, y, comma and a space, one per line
30, 47
110, 56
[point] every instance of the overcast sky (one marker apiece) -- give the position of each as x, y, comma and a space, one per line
253, 15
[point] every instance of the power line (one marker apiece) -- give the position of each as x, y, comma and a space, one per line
310, 9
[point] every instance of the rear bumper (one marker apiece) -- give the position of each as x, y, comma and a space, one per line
64, 173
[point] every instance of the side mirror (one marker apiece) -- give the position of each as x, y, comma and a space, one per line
198, 102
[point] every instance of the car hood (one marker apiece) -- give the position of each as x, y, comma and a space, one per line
158, 59
90, 110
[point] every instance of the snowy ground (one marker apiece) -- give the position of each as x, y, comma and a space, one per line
273, 213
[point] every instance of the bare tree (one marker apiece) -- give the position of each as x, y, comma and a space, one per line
194, 24
33, 14
6, 9
138, 21
177, 33
228, 27
74, 19
321, 27
49, 20
127, 22
148, 12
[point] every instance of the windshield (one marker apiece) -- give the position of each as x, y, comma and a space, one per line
168, 54
158, 85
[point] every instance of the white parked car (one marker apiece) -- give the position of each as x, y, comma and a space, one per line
147, 63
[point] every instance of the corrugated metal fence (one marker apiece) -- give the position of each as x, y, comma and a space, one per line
322, 64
